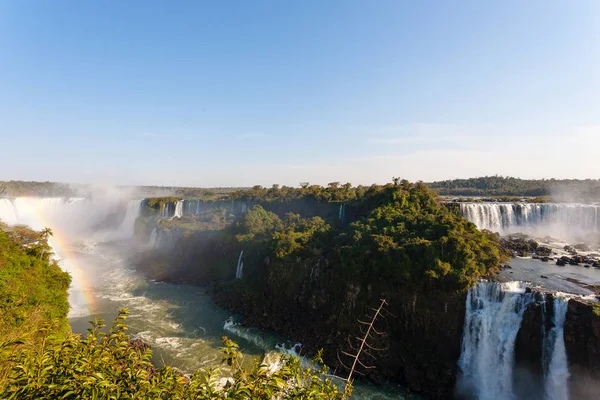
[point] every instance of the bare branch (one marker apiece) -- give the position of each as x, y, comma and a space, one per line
364, 340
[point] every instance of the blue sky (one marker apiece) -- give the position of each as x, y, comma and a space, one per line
238, 93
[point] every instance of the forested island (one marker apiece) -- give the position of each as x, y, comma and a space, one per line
310, 262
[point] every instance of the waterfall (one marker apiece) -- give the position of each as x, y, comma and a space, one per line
7, 212
492, 320
134, 208
551, 218
153, 238
178, 210
557, 373
71, 216
239, 272
244, 208
341, 212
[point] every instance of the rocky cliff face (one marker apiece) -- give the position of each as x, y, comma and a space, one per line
582, 341
421, 333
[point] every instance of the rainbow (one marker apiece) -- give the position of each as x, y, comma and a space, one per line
80, 279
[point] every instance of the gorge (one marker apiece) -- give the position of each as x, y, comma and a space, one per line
446, 338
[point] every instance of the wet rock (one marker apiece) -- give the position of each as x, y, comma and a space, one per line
543, 251
543, 276
561, 262
582, 247
582, 343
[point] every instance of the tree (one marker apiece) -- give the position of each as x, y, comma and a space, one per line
46, 233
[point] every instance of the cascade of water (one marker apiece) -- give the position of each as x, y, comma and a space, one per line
239, 272
557, 373
7, 212
153, 238
504, 217
197, 207
244, 208
492, 320
178, 210
134, 208
341, 212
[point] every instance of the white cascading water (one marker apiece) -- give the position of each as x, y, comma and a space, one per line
493, 317
341, 212
492, 321
7, 212
178, 209
239, 272
164, 210
134, 208
557, 373
507, 217
152, 241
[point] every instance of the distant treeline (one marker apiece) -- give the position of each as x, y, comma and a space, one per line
559, 189
13, 189
584, 190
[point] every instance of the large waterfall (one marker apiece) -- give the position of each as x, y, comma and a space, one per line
492, 321
547, 217
71, 216
134, 209
494, 313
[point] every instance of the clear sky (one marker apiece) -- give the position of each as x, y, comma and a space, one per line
236, 93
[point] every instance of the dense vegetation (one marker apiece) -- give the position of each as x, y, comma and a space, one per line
41, 359
315, 259
108, 365
33, 289
559, 189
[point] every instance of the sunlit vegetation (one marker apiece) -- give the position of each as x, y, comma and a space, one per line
33, 289
400, 235
109, 365
41, 359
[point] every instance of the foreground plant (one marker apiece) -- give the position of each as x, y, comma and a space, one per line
112, 366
